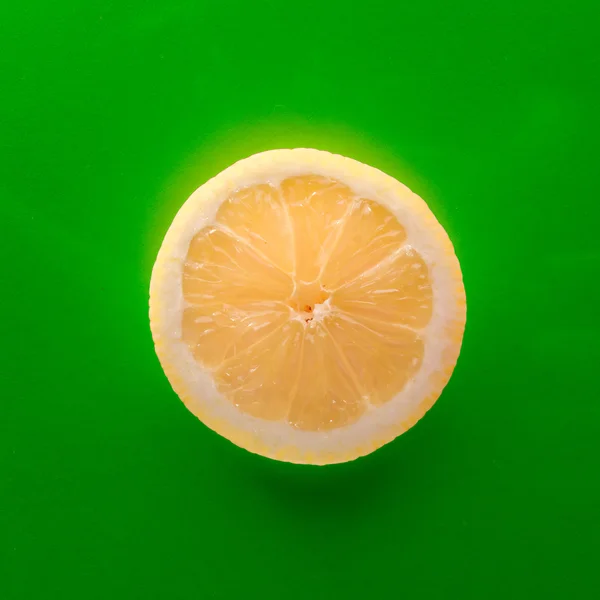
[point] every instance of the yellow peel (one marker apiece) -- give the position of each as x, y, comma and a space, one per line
306, 306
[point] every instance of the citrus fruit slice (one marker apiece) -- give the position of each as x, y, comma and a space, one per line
306, 306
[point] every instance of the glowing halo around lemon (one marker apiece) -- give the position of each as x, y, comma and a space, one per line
306, 306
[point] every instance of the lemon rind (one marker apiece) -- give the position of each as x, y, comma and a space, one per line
443, 336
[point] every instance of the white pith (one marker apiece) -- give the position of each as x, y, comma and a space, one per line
424, 234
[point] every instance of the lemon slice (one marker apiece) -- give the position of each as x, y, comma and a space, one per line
306, 306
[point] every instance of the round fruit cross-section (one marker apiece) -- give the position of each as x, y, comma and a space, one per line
307, 307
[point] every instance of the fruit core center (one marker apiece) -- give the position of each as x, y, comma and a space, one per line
309, 300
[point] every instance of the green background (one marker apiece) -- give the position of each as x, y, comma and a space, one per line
112, 113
